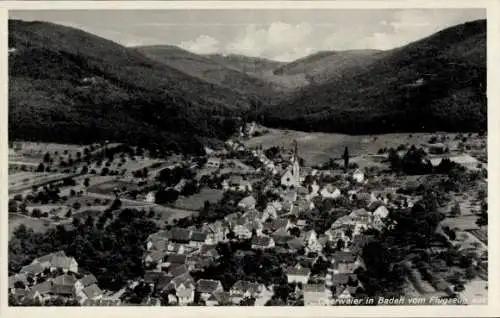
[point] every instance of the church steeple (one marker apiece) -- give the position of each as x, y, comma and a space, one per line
295, 163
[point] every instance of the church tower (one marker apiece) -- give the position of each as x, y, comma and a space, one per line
296, 164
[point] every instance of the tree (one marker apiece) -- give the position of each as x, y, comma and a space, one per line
46, 157
340, 244
346, 158
40, 168
69, 214
86, 182
36, 213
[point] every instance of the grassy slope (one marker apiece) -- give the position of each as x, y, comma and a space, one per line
380, 97
132, 98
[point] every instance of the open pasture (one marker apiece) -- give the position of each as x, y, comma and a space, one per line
108, 187
316, 148
196, 201
37, 225
25, 180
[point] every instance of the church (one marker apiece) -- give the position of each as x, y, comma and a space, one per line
291, 176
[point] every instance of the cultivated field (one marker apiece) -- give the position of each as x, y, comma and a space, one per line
25, 180
316, 148
38, 225
108, 187
196, 201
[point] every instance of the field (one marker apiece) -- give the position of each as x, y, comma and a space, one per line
38, 225
129, 165
108, 187
196, 201
25, 180
464, 223
316, 148
36, 150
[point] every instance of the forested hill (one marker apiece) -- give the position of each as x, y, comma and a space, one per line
66, 85
437, 83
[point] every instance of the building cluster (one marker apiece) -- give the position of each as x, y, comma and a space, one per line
57, 276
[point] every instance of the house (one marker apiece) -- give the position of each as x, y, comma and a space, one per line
91, 292
358, 176
269, 213
220, 298
206, 287
57, 260
68, 280
343, 262
339, 232
240, 228
180, 235
213, 162
262, 242
196, 262
381, 212
32, 269
316, 295
153, 258
184, 287
311, 242
88, 280
343, 292
244, 289
150, 197
289, 196
158, 240
298, 274
341, 279
178, 270
277, 224
174, 260
21, 278
237, 183
63, 291
247, 203
295, 244
216, 232
209, 251
40, 291
330, 192
198, 239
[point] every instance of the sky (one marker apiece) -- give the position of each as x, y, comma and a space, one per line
282, 35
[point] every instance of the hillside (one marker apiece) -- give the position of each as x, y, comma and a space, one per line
66, 85
246, 64
323, 66
263, 69
436, 83
209, 70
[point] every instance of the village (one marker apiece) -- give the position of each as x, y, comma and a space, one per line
255, 226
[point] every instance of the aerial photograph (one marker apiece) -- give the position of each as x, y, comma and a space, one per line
274, 157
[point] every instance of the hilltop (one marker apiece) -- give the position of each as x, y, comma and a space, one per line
66, 85
436, 83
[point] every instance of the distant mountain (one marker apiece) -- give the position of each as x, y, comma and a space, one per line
326, 65
436, 83
66, 85
210, 70
246, 64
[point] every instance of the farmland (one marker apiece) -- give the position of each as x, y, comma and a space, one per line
195, 202
316, 148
